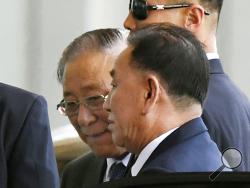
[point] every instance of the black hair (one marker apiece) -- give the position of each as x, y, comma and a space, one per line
175, 55
212, 5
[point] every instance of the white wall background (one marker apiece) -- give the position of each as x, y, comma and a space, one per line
33, 35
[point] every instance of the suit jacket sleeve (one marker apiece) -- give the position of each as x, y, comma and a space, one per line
32, 162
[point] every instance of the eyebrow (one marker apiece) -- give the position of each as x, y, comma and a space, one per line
112, 73
87, 87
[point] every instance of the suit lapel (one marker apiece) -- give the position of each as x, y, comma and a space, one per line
185, 132
215, 66
101, 170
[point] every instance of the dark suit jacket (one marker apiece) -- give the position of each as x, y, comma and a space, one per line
227, 114
188, 149
26, 151
181, 180
85, 171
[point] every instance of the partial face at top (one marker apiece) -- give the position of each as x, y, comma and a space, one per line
175, 16
188, 14
86, 76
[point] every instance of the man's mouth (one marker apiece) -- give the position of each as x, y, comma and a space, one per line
94, 134
110, 121
97, 134
110, 124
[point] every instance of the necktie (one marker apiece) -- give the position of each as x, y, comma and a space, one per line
117, 171
131, 162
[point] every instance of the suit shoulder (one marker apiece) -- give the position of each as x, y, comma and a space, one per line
12, 90
12, 94
20, 108
16, 99
195, 154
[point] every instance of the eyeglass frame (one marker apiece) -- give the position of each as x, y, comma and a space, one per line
61, 107
143, 13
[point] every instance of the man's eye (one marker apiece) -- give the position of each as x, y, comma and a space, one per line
95, 97
95, 101
71, 105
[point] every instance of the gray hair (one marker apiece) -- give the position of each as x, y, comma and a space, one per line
110, 41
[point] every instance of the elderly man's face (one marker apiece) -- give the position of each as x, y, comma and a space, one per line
124, 103
86, 76
175, 16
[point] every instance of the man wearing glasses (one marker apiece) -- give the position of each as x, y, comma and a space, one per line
83, 71
226, 110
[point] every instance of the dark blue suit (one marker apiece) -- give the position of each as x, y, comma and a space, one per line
26, 151
227, 114
188, 149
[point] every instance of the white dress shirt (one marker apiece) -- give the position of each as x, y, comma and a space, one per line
147, 151
111, 161
213, 56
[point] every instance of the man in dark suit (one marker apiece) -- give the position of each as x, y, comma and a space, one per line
27, 157
165, 71
226, 109
83, 71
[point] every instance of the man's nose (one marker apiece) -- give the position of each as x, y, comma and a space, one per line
106, 104
85, 116
129, 22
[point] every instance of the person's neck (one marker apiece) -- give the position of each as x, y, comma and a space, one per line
121, 156
192, 112
211, 44
175, 119
181, 116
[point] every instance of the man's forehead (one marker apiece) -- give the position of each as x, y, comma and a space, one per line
123, 59
161, 1
89, 65
84, 88
171, 1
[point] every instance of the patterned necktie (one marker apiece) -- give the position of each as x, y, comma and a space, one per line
117, 171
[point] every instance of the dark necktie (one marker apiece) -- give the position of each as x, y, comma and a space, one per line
117, 171
131, 162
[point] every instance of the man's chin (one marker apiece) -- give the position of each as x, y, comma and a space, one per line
110, 151
99, 139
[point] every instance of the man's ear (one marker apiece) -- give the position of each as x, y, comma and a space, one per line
152, 93
194, 18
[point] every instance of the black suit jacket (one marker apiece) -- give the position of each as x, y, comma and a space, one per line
227, 114
26, 151
181, 180
86, 171
188, 149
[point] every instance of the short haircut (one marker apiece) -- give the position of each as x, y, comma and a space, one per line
175, 56
212, 5
108, 40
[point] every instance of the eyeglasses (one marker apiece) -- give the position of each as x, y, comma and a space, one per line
71, 108
140, 8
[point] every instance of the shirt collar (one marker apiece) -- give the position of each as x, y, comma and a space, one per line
147, 151
125, 160
111, 161
213, 56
